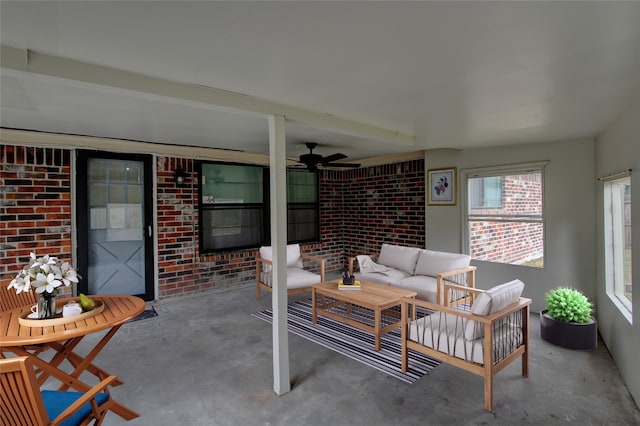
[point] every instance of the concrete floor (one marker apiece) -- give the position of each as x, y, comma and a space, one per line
206, 361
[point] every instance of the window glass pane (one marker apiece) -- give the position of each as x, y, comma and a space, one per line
493, 192
516, 243
230, 183
302, 223
232, 227
97, 195
301, 187
302, 206
116, 194
117, 172
133, 174
234, 209
476, 193
618, 240
485, 192
134, 194
504, 218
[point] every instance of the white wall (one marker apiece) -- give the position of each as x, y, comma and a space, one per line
618, 149
570, 244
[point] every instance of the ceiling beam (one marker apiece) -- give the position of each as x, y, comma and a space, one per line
25, 60
57, 140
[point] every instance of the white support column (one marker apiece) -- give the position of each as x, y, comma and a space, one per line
278, 185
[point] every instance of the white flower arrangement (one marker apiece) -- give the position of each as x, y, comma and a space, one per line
45, 275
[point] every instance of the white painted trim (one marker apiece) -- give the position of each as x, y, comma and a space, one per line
505, 169
74, 215
25, 137
154, 183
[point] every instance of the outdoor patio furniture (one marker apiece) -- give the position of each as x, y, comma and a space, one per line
19, 334
23, 403
482, 336
299, 277
9, 299
378, 300
411, 268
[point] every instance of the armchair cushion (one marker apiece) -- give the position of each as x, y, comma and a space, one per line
293, 256
425, 286
56, 402
296, 278
490, 302
399, 257
390, 277
432, 263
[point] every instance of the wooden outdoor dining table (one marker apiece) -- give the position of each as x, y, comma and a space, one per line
19, 339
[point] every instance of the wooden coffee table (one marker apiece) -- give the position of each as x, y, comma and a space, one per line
376, 297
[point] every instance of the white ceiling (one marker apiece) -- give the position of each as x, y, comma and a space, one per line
452, 74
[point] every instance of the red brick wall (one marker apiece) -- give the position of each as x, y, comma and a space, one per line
383, 204
181, 269
35, 212
360, 209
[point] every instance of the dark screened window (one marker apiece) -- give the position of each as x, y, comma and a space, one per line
303, 221
234, 206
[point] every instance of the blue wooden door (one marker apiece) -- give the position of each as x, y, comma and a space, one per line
117, 231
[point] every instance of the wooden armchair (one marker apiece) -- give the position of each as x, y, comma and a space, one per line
482, 336
10, 300
23, 403
299, 279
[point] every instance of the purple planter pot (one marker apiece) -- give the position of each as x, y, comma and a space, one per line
569, 335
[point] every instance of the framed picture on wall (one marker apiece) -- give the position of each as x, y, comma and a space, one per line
443, 186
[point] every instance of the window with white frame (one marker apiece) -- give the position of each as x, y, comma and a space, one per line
504, 214
617, 229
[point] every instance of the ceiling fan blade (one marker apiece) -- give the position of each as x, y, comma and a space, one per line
333, 157
342, 165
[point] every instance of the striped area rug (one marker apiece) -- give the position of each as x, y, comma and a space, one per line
354, 343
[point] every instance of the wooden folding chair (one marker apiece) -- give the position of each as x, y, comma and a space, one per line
10, 300
23, 403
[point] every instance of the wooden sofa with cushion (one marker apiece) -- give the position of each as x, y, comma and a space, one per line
483, 335
411, 268
300, 277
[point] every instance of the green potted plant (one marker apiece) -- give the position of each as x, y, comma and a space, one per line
567, 320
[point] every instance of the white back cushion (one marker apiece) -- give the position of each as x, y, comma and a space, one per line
399, 257
434, 262
490, 302
293, 256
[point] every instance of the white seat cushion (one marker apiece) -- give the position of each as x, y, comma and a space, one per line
432, 263
296, 278
425, 286
391, 276
399, 257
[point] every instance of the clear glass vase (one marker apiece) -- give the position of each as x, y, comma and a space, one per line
46, 306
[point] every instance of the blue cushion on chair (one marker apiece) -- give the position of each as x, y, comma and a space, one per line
57, 401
